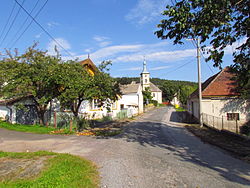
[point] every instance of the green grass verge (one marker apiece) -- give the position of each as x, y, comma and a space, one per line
62, 170
180, 109
32, 128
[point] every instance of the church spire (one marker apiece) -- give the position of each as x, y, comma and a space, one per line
144, 67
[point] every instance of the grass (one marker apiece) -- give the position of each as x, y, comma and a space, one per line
32, 128
62, 170
180, 109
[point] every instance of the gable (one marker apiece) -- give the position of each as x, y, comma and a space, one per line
90, 66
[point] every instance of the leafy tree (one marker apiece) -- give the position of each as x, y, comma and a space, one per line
80, 86
169, 90
35, 74
147, 96
222, 23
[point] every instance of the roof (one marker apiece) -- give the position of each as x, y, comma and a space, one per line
154, 88
130, 88
220, 84
89, 63
12, 100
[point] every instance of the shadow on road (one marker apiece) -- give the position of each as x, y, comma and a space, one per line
189, 148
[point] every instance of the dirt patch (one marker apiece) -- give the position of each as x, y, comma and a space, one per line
237, 146
13, 169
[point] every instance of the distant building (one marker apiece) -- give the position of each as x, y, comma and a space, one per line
145, 82
220, 98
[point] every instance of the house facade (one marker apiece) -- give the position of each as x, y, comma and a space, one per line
220, 99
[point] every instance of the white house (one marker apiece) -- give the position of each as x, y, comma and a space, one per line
220, 99
145, 82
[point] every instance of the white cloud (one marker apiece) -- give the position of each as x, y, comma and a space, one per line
52, 24
63, 43
156, 52
102, 40
159, 68
132, 69
146, 11
38, 35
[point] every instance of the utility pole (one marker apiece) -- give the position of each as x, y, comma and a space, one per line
199, 81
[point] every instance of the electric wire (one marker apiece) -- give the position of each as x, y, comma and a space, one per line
23, 24
11, 25
179, 67
27, 27
196, 46
8, 20
44, 29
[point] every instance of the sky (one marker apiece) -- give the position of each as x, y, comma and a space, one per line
118, 30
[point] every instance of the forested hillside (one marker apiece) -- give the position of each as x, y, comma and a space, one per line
170, 88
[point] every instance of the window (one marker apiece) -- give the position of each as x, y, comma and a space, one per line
153, 94
146, 80
233, 116
122, 106
113, 105
96, 104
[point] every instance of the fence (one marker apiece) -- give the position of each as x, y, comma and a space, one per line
222, 123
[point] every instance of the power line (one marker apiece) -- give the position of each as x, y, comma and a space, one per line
178, 67
12, 23
23, 24
8, 20
43, 28
195, 45
27, 27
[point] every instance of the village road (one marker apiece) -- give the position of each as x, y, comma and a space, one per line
154, 151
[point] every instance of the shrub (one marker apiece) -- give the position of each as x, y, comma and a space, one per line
82, 124
245, 129
154, 102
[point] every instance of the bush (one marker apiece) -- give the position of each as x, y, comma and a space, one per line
82, 124
154, 102
245, 129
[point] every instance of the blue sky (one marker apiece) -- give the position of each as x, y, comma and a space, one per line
118, 30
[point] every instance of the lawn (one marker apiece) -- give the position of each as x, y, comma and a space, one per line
180, 109
60, 170
31, 128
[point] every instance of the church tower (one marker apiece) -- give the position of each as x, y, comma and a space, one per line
145, 77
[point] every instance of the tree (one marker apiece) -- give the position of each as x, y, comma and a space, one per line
147, 96
221, 23
80, 86
169, 90
34, 74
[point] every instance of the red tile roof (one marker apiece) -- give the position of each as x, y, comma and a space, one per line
221, 84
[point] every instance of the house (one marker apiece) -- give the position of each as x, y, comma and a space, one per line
18, 110
220, 99
132, 98
145, 82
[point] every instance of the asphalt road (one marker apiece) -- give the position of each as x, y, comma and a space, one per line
152, 152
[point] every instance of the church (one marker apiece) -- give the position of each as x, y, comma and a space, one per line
145, 83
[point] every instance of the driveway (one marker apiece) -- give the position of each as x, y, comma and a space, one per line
152, 152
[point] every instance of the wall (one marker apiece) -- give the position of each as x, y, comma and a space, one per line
220, 107
157, 97
4, 111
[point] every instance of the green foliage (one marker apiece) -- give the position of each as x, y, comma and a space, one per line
80, 86
245, 129
221, 23
147, 96
82, 124
154, 102
180, 109
61, 170
35, 74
